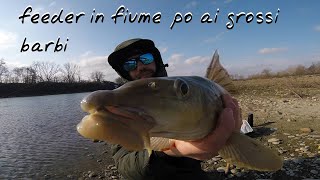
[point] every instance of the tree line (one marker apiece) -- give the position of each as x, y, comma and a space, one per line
70, 73
298, 70
45, 72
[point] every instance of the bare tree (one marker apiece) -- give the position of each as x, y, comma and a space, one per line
31, 75
24, 75
78, 74
17, 74
266, 73
8, 78
314, 68
46, 71
300, 70
3, 69
70, 72
97, 76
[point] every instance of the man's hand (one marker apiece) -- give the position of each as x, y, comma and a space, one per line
208, 147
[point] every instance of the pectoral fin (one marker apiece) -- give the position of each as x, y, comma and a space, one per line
147, 144
156, 143
160, 143
246, 152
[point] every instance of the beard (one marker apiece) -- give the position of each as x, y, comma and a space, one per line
145, 73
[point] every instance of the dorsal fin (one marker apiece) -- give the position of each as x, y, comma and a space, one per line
217, 73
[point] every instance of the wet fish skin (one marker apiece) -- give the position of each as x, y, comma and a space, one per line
181, 107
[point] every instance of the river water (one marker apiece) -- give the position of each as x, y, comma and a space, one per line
38, 136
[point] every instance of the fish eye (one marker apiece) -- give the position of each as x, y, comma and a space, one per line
181, 88
184, 88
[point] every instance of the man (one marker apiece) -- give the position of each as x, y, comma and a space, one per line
139, 58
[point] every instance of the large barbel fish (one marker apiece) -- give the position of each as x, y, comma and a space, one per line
148, 113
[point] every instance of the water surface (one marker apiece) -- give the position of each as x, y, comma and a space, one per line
38, 136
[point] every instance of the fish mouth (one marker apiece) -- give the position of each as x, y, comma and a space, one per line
117, 125
132, 113
127, 116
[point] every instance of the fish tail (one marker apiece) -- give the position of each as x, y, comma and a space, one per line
246, 152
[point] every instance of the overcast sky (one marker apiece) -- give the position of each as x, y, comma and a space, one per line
187, 47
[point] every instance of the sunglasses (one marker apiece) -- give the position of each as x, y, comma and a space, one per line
132, 63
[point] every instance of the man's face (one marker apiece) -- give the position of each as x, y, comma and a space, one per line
142, 70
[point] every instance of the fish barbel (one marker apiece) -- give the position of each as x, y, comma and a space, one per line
148, 113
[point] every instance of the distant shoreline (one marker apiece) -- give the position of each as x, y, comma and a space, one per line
9, 90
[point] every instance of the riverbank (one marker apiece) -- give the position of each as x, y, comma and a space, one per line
50, 88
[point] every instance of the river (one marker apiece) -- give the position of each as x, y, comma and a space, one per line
38, 137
